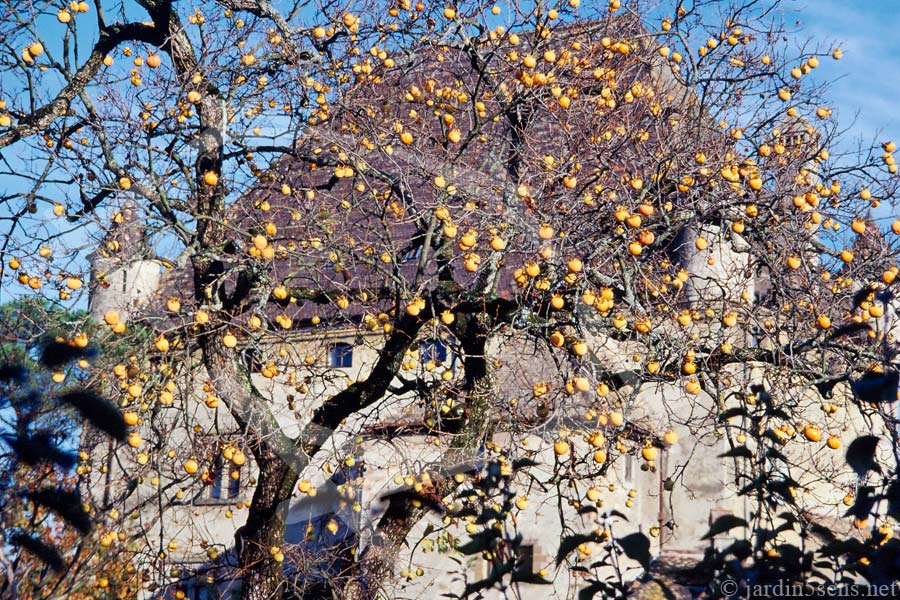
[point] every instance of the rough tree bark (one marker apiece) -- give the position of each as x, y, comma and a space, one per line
262, 576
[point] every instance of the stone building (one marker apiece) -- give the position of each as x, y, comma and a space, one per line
674, 501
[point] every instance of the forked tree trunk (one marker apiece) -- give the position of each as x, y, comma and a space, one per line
375, 568
261, 574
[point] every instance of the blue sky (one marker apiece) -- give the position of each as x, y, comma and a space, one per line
867, 79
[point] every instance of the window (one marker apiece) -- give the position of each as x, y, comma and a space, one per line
411, 255
252, 359
222, 475
340, 355
629, 468
434, 351
525, 563
197, 590
226, 480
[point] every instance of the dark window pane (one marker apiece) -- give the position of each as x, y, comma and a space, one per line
234, 485
526, 558
215, 490
411, 255
340, 355
434, 350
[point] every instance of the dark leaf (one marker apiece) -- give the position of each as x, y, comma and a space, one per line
862, 295
862, 506
38, 449
496, 574
568, 544
738, 452
770, 435
775, 454
787, 516
791, 555
636, 547
776, 411
822, 532
761, 394
46, 553
468, 511
848, 329
826, 388
625, 378
524, 463
487, 515
784, 488
789, 526
740, 549
843, 547
483, 540
723, 524
861, 454
55, 354
595, 588
598, 563
526, 576
13, 374
751, 487
878, 537
876, 387
737, 411
893, 497
579, 569
67, 504
99, 411
884, 562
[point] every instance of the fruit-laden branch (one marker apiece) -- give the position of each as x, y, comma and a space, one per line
110, 37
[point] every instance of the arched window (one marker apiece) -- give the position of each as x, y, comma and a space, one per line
434, 351
340, 355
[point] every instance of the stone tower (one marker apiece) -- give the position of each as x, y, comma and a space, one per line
720, 272
801, 140
123, 274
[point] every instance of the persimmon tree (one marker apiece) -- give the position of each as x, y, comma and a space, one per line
654, 201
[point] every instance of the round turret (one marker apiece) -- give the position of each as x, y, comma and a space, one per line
123, 277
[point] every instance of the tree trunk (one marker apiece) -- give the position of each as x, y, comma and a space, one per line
262, 575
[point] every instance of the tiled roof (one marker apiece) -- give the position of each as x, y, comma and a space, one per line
351, 203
